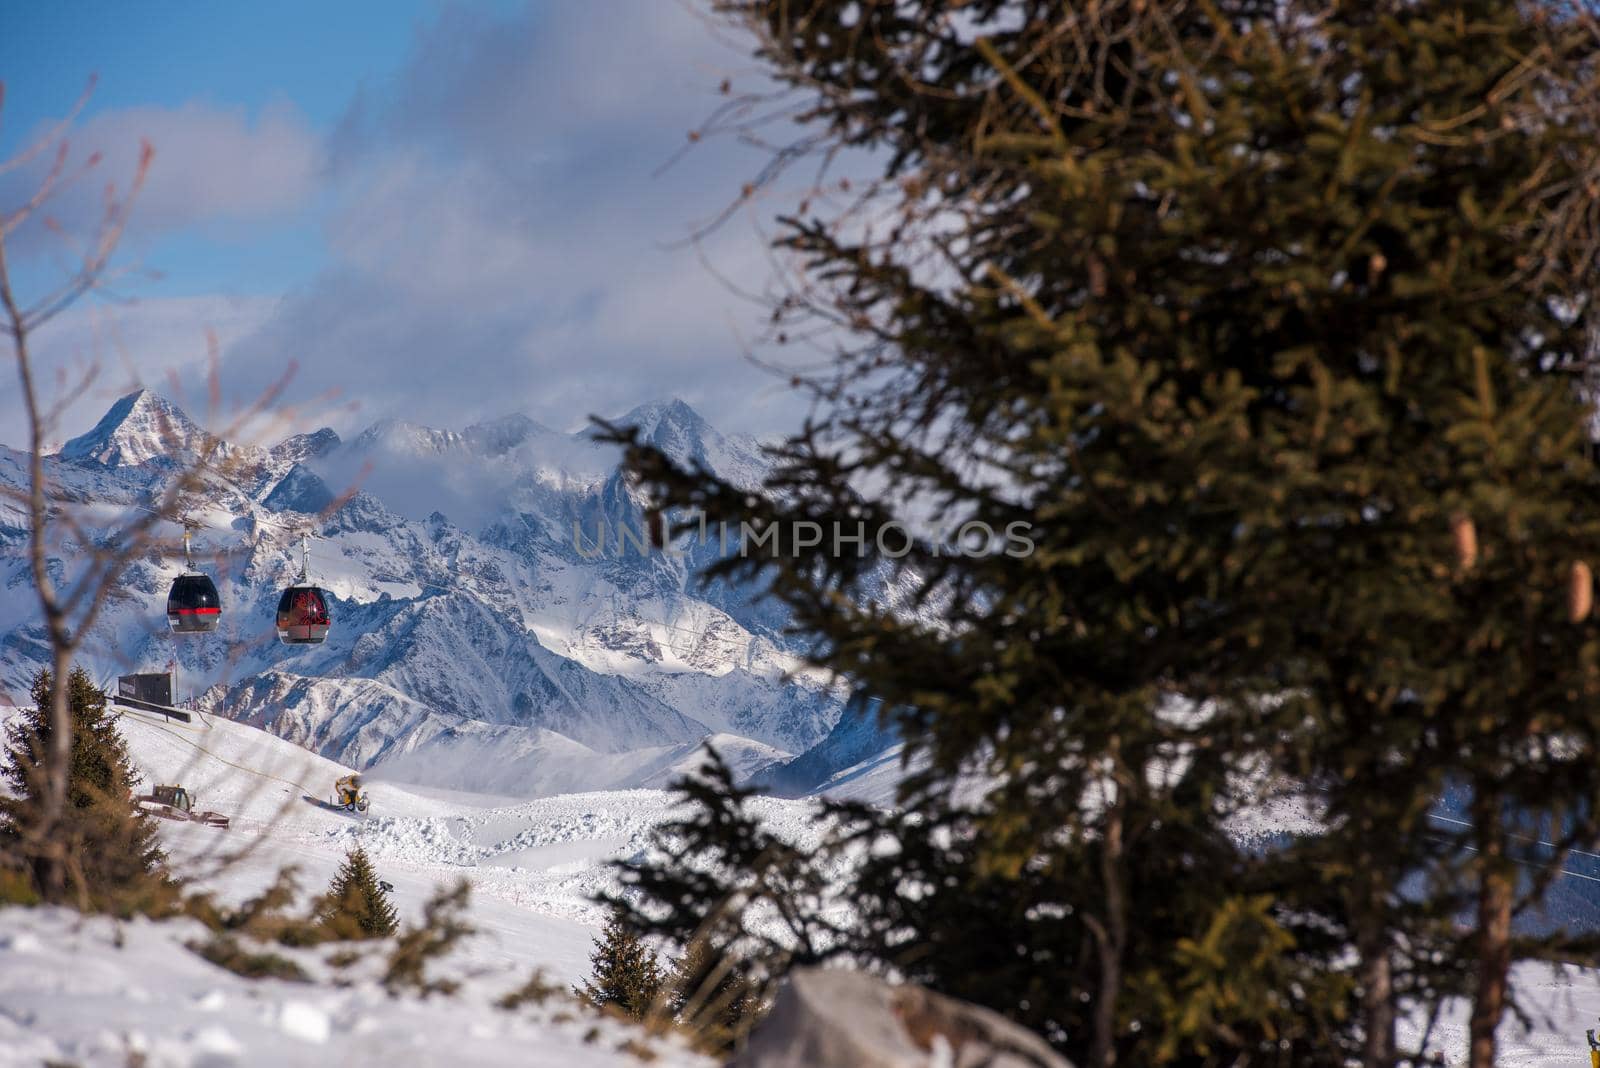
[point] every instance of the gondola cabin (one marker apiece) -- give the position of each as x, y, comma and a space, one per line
303, 617
193, 606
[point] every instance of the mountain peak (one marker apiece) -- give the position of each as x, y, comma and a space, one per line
298, 448
681, 433
666, 412
406, 438
497, 436
140, 427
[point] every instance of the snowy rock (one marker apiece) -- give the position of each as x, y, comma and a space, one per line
303, 447
397, 435
827, 1017
859, 736
299, 491
211, 1001
680, 432
500, 436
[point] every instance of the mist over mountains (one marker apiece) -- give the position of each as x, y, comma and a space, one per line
474, 645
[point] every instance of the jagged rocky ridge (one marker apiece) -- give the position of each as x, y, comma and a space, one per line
475, 646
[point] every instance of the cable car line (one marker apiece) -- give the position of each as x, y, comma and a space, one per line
1573, 851
252, 771
1536, 867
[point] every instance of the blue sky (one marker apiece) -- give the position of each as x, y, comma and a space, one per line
317, 56
440, 211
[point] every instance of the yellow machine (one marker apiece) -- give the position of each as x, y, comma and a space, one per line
349, 795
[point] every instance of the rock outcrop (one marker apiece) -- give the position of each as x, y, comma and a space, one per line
825, 1018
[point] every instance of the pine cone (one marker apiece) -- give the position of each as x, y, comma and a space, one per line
1580, 591
1465, 536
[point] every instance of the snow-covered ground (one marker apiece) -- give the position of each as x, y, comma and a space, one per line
534, 866
90, 992
93, 992
1561, 1004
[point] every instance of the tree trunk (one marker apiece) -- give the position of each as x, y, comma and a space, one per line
1496, 888
1377, 985
1112, 938
49, 864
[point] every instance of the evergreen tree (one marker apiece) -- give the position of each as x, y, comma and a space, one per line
356, 906
627, 973
109, 845
1024, 944
1240, 312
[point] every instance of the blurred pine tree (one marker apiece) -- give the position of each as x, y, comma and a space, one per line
1240, 315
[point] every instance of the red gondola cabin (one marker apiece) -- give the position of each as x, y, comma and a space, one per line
303, 617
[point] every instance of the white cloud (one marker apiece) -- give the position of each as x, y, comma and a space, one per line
502, 240
211, 165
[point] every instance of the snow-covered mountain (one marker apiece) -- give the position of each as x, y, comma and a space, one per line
480, 639
140, 428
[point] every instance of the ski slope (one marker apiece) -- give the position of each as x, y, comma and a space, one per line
89, 991
534, 868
